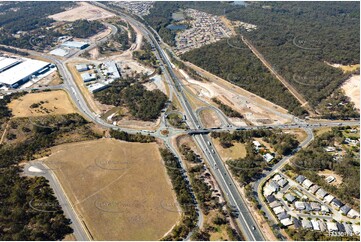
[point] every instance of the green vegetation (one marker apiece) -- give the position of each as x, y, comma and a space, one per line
19, 220
315, 158
184, 197
121, 135
145, 55
249, 169
30, 18
241, 67
14, 51
83, 28
311, 235
230, 112
142, 104
338, 106
176, 120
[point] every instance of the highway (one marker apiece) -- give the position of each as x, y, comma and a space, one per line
245, 219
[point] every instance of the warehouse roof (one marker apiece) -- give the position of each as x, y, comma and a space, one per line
7, 62
21, 71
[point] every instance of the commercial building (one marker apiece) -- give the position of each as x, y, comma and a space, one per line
75, 45
87, 77
59, 52
81, 67
16, 72
112, 69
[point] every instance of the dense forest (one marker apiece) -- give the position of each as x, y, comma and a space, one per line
314, 158
18, 219
241, 67
297, 38
145, 55
122, 135
83, 28
142, 104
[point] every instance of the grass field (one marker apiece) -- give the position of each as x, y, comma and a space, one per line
49, 103
120, 189
238, 150
209, 118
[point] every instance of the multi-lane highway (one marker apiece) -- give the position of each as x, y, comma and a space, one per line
245, 219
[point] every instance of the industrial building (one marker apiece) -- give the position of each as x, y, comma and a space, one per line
81, 67
87, 77
75, 45
15, 72
112, 69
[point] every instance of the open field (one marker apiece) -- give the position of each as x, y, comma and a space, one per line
238, 150
120, 189
352, 90
83, 11
299, 133
327, 173
209, 118
49, 103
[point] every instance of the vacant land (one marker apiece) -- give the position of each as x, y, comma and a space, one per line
44, 103
237, 151
352, 90
209, 118
83, 11
108, 185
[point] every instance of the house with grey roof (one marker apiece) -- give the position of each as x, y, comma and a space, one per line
290, 198
283, 182
306, 224
345, 209
348, 228
336, 203
274, 185
300, 179
321, 193
314, 189
307, 184
340, 227
315, 206
270, 198
282, 215
297, 223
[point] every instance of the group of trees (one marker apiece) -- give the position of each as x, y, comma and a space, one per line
230, 112
184, 197
314, 158
142, 104
32, 19
145, 55
20, 194
83, 28
122, 135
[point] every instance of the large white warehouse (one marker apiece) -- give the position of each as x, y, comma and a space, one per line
15, 72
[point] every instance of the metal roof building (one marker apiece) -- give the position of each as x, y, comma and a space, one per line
22, 72
75, 45
6, 63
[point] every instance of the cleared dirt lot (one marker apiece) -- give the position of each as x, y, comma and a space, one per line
84, 11
209, 118
120, 190
54, 102
352, 90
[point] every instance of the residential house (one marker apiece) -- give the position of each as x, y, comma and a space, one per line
270, 198
353, 214
283, 182
323, 226
315, 225
278, 210
348, 228
306, 224
275, 203
289, 197
286, 222
297, 223
328, 199
330, 149
336, 203
321, 193
300, 205
282, 215
274, 185
300, 179
315, 206
340, 227
345, 209
330, 179
324, 209
277, 177
313, 189
332, 227
307, 184
268, 157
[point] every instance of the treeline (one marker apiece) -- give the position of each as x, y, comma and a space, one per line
184, 197
14, 51
297, 39
142, 104
30, 18
145, 55
20, 194
83, 28
230, 112
282, 143
314, 158
122, 135
240, 67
